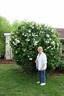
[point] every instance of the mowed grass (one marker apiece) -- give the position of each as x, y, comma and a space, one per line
15, 83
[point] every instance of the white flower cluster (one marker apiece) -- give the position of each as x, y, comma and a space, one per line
52, 48
28, 56
27, 39
47, 35
47, 42
23, 34
17, 60
42, 32
24, 50
30, 59
54, 35
34, 35
13, 36
53, 43
32, 25
48, 47
14, 43
58, 44
50, 39
29, 31
36, 42
16, 51
17, 41
28, 35
52, 30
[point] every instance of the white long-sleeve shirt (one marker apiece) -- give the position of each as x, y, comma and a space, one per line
41, 61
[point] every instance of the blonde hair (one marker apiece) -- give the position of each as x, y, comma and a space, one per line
40, 47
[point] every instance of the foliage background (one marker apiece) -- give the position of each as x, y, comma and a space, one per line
4, 27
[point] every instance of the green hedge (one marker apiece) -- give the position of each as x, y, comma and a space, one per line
26, 39
61, 65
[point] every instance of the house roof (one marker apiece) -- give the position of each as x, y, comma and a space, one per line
61, 32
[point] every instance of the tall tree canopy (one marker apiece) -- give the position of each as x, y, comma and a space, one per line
4, 27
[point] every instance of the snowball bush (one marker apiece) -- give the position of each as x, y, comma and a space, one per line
26, 39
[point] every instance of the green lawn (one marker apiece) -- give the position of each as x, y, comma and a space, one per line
15, 83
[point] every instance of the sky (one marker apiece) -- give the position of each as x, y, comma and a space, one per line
50, 12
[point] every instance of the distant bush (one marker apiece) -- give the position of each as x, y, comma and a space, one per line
26, 39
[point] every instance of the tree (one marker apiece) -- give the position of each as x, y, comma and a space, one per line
15, 25
4, 27
26, 39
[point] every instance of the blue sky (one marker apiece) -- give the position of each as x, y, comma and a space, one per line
49, 12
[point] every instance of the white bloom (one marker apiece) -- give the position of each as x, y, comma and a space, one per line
29, 31
32, 27
48, 47
27, 39
52, 48
53, 42
36, 42
24, 50
34, 39
12, 32
33, 34
25, 35
36, 35
52, 30
28, 35
12, 36
54, 35
47, 41
58, 44
42, 32
32, 24
30, 58
22, 33
14, 43
16, 51
50, 39
17, 41
47, 35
